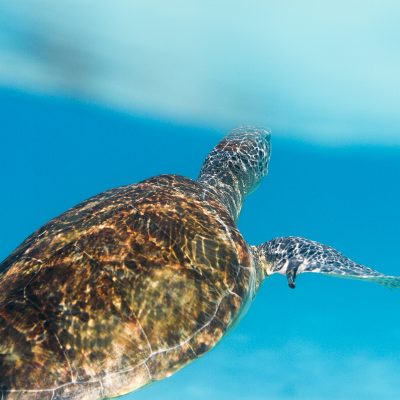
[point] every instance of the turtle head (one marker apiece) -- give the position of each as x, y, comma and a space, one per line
236, 166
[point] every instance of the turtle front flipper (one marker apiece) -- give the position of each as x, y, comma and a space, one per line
291, 256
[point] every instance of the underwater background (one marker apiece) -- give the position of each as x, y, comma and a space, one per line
327, 339
94, 96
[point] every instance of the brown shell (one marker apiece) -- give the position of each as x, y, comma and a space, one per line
125, 288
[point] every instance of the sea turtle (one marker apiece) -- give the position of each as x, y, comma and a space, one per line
135, 283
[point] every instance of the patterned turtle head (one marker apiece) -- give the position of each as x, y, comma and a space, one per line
236, 166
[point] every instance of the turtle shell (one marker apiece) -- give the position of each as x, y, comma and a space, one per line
125, 288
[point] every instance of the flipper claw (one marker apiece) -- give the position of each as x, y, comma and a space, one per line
291, 272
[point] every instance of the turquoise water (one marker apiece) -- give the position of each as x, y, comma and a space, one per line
329, 338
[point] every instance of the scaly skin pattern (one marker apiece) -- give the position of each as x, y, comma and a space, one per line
125, 288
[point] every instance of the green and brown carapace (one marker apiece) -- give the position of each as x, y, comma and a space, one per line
133, 284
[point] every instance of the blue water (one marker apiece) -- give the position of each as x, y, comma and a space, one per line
329, 338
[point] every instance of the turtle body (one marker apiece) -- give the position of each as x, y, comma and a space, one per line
123, 289
136, 282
